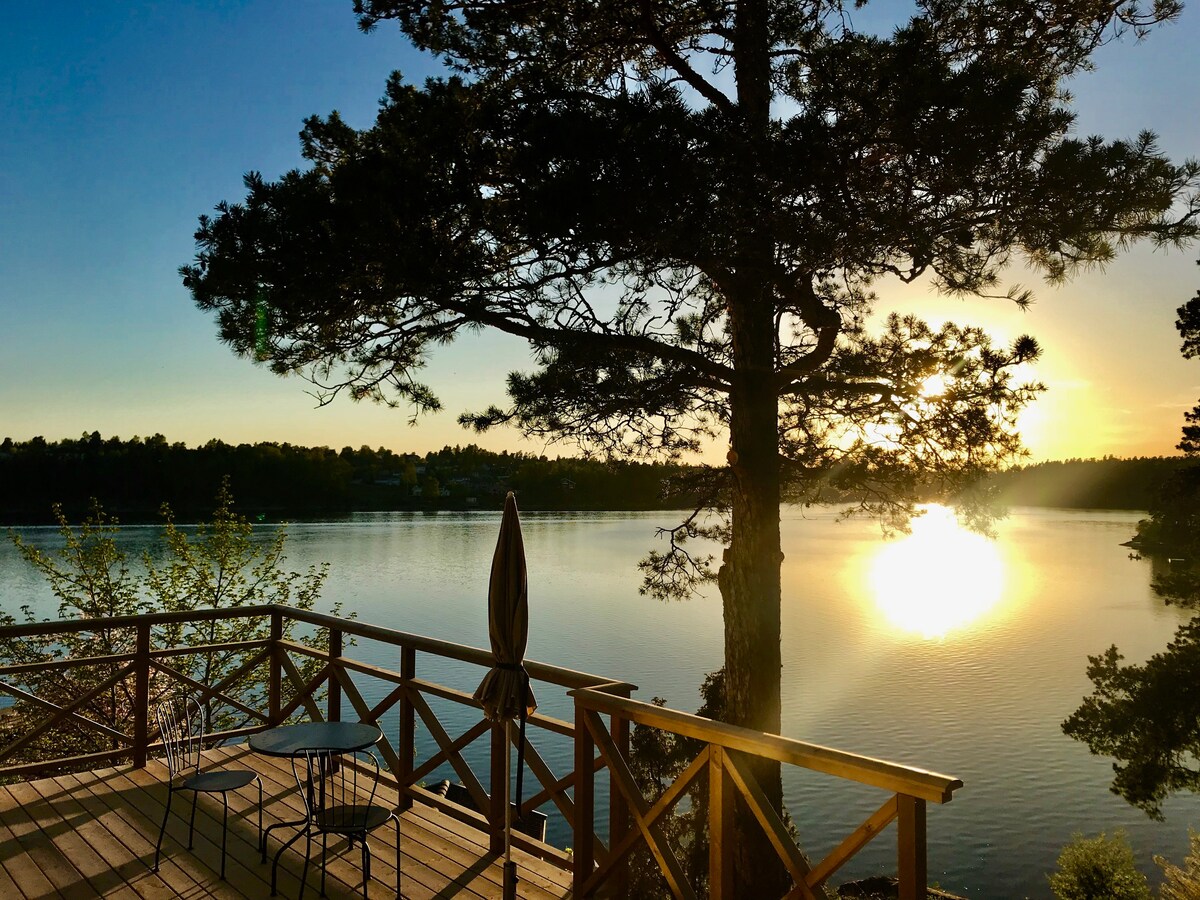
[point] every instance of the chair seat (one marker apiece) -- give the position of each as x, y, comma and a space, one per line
351, 819
218, 781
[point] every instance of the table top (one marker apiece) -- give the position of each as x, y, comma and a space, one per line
292, 740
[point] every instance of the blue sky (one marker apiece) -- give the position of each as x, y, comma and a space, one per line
123, 121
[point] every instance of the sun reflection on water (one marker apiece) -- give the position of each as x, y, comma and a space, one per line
938, 579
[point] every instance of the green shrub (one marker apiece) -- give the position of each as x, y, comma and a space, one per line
1099, 868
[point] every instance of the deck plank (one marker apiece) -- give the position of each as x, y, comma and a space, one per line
92, 835
18, 865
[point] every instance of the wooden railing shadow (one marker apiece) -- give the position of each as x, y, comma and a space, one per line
297, 676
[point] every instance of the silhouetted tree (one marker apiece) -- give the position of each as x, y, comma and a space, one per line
1147, 717
683, 208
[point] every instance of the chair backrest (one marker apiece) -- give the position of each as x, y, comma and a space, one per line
181, 725
336, 787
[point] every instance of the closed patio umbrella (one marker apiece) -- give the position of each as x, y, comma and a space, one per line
504, 691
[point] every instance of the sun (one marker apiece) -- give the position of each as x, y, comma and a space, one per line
939, 579
935, 385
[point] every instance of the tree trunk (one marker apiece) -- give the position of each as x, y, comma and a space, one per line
750, 580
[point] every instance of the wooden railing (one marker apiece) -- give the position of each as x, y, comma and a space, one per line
723, 759
292, 690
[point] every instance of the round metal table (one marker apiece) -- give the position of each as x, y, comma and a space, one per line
292, 741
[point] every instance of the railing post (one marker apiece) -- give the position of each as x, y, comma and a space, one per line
275, 671
498, 780
720, 826
333, 712
618, 806
141, 696
582, 841
910, 839
406, 748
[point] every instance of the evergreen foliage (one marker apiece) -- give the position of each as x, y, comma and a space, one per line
1106, 483
685, 209
135, 476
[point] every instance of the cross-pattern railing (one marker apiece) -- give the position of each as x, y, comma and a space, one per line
295, 674
724, 761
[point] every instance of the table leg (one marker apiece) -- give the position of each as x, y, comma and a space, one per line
267, 832
275, 865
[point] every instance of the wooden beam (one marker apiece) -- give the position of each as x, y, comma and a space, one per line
68, 663
720, 827
583, 825
858, 839
65, 712
911, 847
274, 675
304, 692
624, 781
141, 696
464, 740
672, 795
553, 788
227, 646
478, 794
206, 691
877, 772
364, 715
776, 832
333, 700
407, 749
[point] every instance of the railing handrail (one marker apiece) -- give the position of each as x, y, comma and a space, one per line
896, 777
540, 671
66, 626
462, 652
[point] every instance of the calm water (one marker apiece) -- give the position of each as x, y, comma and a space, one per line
944, 651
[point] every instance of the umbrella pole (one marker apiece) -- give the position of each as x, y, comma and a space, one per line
510, 867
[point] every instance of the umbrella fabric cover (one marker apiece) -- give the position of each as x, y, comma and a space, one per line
504, 691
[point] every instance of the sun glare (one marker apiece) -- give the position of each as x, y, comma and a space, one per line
940, 578
934, 385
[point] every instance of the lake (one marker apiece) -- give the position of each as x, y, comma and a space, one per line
944, 650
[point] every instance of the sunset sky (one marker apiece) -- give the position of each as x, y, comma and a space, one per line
123, 121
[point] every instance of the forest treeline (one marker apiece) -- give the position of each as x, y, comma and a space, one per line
132, 478
1106, 483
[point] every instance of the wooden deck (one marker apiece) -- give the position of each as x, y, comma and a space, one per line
92, 835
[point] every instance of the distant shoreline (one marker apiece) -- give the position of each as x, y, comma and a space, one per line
276, 516
271, 482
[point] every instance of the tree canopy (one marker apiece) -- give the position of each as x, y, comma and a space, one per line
686, 208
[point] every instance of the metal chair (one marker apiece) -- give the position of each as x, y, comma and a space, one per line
339, 799
181, 724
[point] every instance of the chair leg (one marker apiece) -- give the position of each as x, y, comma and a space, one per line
366, 864
304, 871
163, 829
262, 838
192, 821
279, 853
397, 858
224, 829
324, 858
